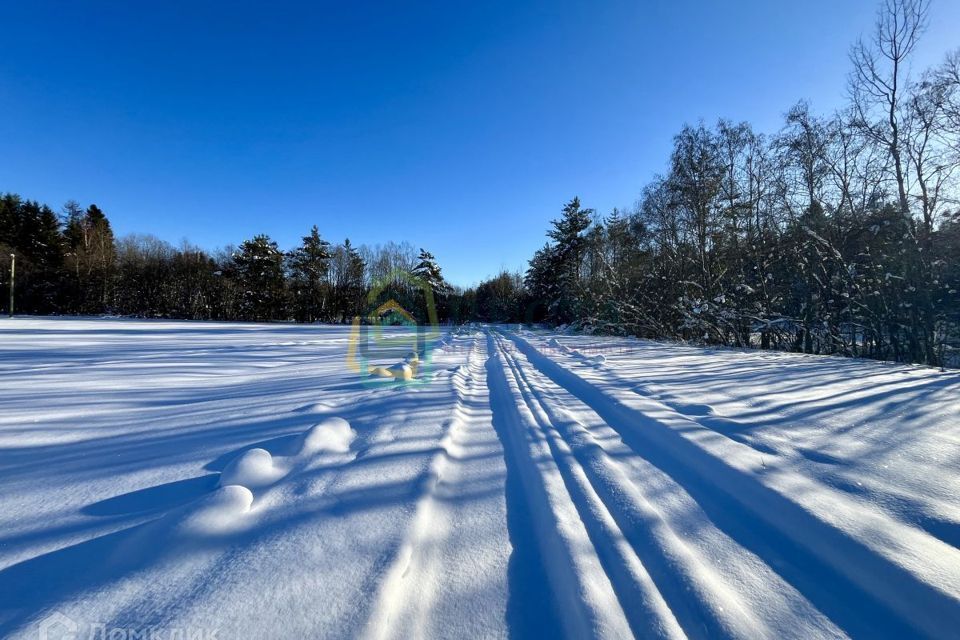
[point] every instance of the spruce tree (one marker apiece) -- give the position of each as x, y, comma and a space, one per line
567, 233
428, 272
355, 279
309, 264
259, 274
541, 282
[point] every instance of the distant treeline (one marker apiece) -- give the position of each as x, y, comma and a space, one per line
71, 263
836, 234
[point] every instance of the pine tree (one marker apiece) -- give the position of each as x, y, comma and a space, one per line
309, 264
541, 282
259, 274
9, 220
31, 231
91, 257
428, 272
356, 268
500, 299
568, 251
46, 248
348, 271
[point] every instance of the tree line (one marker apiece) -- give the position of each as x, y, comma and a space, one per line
836, 234
71, 263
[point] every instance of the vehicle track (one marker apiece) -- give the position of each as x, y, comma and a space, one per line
667, 584
585, 600
861, 590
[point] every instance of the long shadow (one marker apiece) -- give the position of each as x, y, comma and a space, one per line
766, 523
159, 498
30, 588
175, 441
531, 605
889, 394
632, 524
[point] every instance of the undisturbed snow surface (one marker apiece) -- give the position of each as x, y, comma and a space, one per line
245, 479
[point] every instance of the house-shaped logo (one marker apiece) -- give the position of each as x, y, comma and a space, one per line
369, 337
58, 626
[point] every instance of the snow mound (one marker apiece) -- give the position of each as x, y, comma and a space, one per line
252, 468
218, 512
331, 434
597, 359
559, 346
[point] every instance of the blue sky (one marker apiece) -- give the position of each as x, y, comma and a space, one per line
461, 127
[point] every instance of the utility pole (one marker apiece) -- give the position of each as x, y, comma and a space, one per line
13, 274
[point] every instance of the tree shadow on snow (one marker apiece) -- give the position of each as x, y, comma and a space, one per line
158, 498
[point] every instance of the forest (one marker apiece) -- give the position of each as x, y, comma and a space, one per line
839, 234
836, 234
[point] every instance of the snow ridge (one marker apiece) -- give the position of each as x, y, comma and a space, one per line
419, 596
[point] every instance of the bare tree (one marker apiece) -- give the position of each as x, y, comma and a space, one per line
878, 82
948, 77
804, 143
928, 146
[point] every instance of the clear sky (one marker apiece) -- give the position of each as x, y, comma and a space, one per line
461, 127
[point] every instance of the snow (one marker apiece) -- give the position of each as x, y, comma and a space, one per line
332, 434
243, 478
218, 512
252, 468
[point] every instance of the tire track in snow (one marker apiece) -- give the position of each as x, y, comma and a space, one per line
712, 586
643, 606
859, 588
452, 563
581, 591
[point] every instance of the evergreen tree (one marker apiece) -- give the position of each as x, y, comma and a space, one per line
9, 220
356, 268
568, 251
542, 284
428, 272
308, 265
501, 298
31, 231
348, 279
91, 257
259, 275
44, 246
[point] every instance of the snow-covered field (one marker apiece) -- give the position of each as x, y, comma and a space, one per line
242, 481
